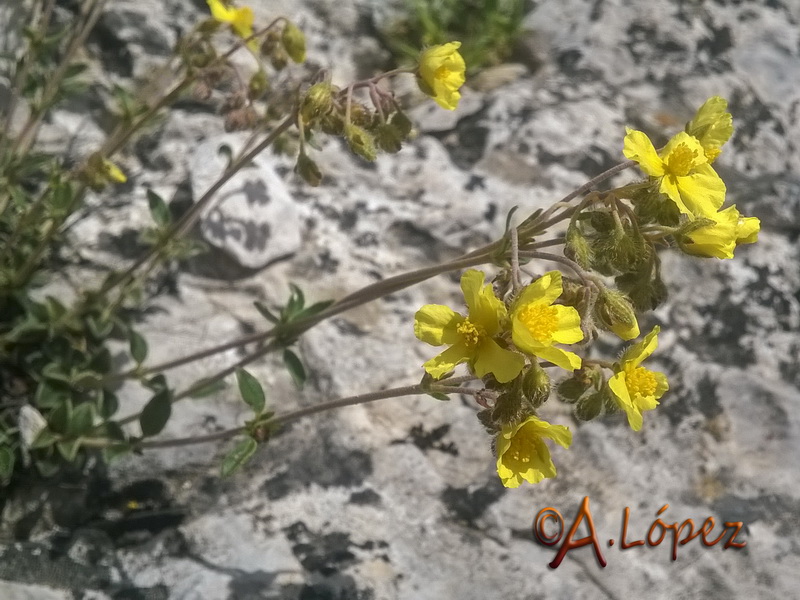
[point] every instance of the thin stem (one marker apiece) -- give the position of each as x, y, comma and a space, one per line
587, 278
190, 217
516, 281
543, 223
409, 390
364, 295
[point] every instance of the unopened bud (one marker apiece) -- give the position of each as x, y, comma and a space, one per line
589, 407
318, 101
402, 123
294, 42
573, 388
577, 248
360, 142
258, 86
536, 385
278, 58
388, 138
615, 312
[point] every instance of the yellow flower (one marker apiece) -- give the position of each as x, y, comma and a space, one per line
712, 125
636, 388
471, 338
522, 453
240, 19
682, 169
721, 238
441, 73
536, 324
112, 172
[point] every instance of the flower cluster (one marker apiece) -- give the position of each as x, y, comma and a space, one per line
511, 333
683, 173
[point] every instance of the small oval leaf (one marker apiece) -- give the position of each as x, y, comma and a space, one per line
138, 347
296, 368
237, 457
156, 413
251, 390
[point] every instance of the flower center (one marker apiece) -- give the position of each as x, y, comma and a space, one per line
541, 320
442, 72
518, 451
681, 160
640, 382
712, 154
470, 332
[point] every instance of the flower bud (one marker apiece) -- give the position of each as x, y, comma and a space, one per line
360, 142
577, 248
388, 138
318, 101
278, 59
615, 312
258, 85
308, 170
574, 387
536, 385
589, 406
402, 123
294, 42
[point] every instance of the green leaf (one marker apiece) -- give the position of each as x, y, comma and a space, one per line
158, 209
6, 464
265, 312
439, 396
75, 69
296, 368
55, 371
206, 387
81, 421
87, 380
314, 309
156, 413
50, 394
251, 390
157, 382
45, 439
138, 347
297, 300
69, 449
61, 417
237, 457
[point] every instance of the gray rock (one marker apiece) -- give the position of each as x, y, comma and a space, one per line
254, 219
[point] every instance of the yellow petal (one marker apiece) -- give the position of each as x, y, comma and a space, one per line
662, 385
220, 12
620, 390
545, 289
626, 332
747, 232
702, 192
485, 309
447, 360
435, 324
641, 350
504, 364
561, 358
712, 125
718, 239
569, 325
638, 147
242, 22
